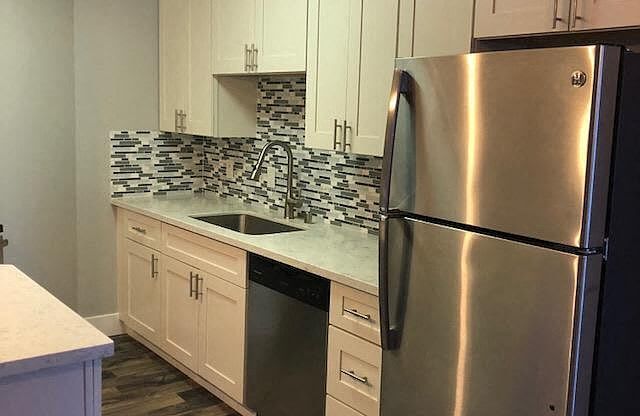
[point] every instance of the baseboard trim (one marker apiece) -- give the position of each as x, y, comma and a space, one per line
238, 407
108, 324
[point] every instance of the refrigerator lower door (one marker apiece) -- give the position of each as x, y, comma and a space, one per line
484, 326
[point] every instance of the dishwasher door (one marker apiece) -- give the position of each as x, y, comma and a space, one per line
287, 341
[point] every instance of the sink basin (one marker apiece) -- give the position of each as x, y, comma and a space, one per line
247, 224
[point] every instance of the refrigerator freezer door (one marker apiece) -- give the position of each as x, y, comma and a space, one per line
517, 142
485, 326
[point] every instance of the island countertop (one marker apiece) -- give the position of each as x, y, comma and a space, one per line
38, 331
344, 254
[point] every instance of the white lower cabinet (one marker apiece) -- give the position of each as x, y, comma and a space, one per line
354, 371
143, 290
336, 408
194, 316
180, 314
222, 335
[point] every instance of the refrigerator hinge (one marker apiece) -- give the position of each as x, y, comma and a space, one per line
605, 249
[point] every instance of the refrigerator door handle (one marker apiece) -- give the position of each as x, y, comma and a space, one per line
390, 332
399, 86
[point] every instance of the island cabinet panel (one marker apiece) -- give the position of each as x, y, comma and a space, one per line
180, 311
143, 290
70, 390
222, 335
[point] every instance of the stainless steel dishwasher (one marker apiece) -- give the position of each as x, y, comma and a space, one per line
287, 328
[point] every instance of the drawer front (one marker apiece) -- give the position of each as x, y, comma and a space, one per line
355, 311
142, 229
353, 371
336, 408
221, 260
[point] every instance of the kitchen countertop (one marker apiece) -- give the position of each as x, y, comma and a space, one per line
37, 331
344, 254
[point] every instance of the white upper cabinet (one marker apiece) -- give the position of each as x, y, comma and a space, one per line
233, 35
281, 36
328, 55
186, 80
602, 14
174, 42
513, 17
496, 18
374, 32
259, 36
351, 49
440, 27
192, 101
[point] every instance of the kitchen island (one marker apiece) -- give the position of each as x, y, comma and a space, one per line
50, 357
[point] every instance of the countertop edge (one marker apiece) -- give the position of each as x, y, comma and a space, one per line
346, 280
58, 359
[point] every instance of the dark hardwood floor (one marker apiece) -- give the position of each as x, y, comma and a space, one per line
137, 382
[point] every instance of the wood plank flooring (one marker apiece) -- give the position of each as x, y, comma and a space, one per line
136, 382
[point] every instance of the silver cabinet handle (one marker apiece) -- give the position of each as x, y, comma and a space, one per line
336, 142
182, 116
247, 66
192, 291
139, 229
254, 57
355, 312
154, 266
345, 127
576, 17
556, 19
353, 375
199, 280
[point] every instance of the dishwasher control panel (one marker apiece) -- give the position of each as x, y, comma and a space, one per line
303, 286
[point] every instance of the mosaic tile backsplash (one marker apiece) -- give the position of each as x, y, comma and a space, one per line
153, 162
338, 187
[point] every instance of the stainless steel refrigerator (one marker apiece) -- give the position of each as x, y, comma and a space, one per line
496, 221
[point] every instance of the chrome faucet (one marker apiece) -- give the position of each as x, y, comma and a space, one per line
292, 200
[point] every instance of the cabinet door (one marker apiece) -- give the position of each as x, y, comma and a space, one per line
372, 50
174, 46
222, 335
143, 290
602, 14
516, 17
327, 54
180, 312
233, 31
444, 27
281, 35
199, 76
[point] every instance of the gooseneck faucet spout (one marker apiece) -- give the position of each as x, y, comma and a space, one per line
292, 201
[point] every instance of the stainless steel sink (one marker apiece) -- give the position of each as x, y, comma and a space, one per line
247, 224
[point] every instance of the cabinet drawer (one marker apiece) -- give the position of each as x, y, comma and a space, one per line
355, 311
353, 371
336, 408
142, 229
221, 260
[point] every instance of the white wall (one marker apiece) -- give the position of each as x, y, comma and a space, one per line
37, 153
116, 75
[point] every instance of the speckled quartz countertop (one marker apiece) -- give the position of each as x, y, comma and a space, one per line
343, 254
37, 331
